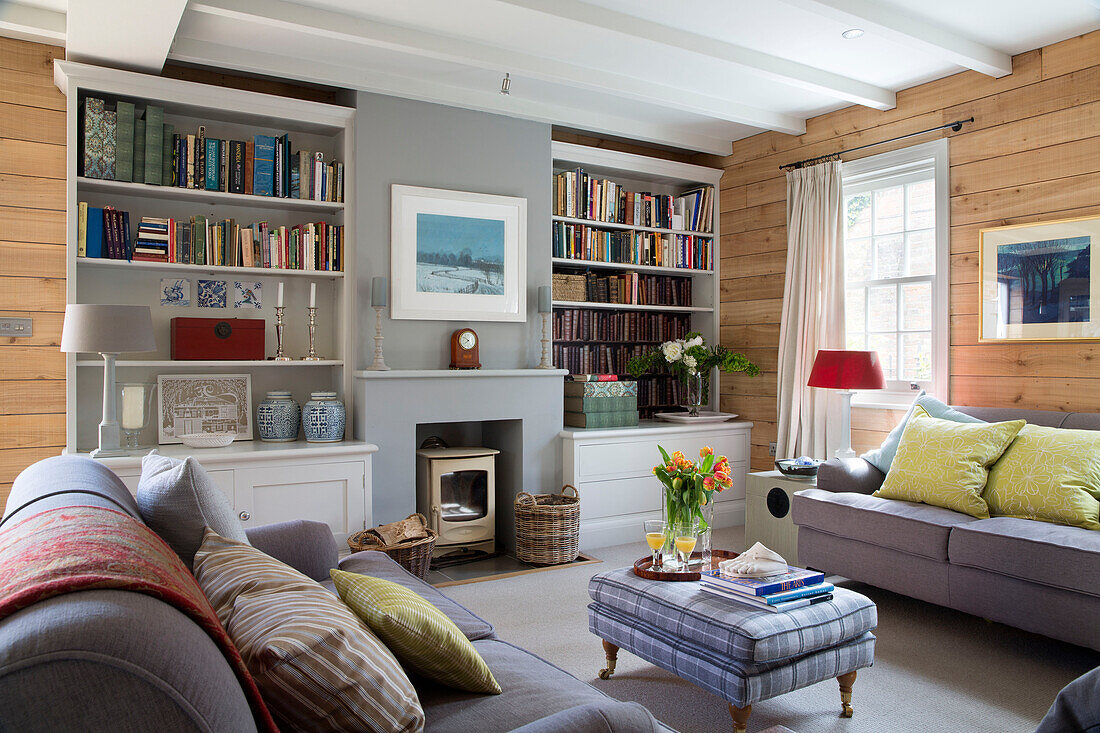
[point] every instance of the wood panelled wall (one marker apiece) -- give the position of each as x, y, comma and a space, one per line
32, 255
1032, 154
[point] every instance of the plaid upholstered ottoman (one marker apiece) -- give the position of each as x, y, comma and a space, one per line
738, 653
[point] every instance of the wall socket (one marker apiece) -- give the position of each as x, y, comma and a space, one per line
771, 449
16, 327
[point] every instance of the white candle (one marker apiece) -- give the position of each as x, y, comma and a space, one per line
313, 295
279, 300
133, 406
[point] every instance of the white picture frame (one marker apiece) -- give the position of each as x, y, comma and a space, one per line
203, 403
446, 246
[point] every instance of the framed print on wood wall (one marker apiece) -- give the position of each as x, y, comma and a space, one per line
1036, 281
457, 256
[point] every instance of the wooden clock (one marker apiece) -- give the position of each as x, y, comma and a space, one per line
464, 354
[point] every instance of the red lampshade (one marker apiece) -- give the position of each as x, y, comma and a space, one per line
835, 369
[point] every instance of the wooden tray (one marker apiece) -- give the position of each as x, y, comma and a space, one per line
644, 568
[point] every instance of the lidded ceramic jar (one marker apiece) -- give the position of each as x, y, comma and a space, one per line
278, 417
323, 418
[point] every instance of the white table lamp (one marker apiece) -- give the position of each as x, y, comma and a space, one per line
108, 330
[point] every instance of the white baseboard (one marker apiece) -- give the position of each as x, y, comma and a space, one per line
622, 529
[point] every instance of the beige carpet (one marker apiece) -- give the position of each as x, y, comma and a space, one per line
935, 669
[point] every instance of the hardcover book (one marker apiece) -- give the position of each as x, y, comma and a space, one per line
601, 419
210, 175
601, 389
154, 145
124, 141
793, 578
139, 149
167, 156
263, 171
99, 140
602, 404
757, 604
236, 166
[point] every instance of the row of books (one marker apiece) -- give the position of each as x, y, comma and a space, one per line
582, 242
635, 288
660, 394
601, 401
105, 233
584, 324
132, 144
603, 358
796, 588
581, 196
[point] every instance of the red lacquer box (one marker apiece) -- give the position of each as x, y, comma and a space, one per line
217, 338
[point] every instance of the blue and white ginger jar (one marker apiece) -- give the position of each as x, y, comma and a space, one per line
278, 417
323, 418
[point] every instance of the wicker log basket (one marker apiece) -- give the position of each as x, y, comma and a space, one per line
409, 543
548, 527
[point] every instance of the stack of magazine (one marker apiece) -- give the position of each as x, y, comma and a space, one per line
795, 588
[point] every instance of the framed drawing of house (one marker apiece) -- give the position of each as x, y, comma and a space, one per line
1036, 281
203, 403
458, 256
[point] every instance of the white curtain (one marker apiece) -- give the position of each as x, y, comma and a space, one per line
813, 304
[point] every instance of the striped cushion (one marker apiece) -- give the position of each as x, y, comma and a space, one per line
417, 632
317, 665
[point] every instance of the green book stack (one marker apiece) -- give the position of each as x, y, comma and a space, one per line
124, 141
601, 404
154, 145
601, 419
139, 149
592, 404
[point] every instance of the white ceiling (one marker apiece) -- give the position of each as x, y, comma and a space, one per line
695, 74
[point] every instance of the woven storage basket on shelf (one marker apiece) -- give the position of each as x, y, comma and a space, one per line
415, 555
548, 527
568, 287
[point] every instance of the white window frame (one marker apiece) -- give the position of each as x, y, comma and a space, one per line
863, 174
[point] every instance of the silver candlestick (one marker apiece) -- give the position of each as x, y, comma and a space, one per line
312, 355
545, 363
279, 355
379, 364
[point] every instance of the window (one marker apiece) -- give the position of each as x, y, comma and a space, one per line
896, 265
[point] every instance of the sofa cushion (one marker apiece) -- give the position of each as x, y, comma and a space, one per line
917, 529
883, 456
317, 665
63, 481
418, 633
1049, 474
379, 565
179, 500
533, 689
1048, 554
946, 464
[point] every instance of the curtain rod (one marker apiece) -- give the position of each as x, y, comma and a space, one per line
955, 127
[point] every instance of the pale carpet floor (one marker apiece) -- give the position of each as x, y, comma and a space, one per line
935, 669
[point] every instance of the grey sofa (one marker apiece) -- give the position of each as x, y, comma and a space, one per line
1037, 576
114, 660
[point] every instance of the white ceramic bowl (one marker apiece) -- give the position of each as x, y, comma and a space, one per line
207, 440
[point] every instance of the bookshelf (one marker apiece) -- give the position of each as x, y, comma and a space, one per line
226, 114
637, 173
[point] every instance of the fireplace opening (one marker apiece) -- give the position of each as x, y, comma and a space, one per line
456, 491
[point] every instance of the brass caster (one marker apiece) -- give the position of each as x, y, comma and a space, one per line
605, 674
847, 711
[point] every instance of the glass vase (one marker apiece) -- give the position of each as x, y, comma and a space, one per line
678, 513
693, 393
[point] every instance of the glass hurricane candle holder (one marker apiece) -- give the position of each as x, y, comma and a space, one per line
136, 399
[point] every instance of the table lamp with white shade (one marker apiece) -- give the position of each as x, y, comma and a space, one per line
108, 330
846, 371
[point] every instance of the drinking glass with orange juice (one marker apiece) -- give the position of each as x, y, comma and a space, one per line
684, 539
655, 536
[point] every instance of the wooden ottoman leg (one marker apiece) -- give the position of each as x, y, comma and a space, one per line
740, 717
846, 681
612, 653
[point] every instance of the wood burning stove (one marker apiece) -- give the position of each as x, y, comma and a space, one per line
456, 491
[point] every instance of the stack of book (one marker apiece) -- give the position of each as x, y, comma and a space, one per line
796, 588
152, 240
583, 242
600, 401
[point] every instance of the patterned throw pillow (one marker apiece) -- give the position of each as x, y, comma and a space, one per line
317, 665
416, 631
1048, 474
883, 456
946, 463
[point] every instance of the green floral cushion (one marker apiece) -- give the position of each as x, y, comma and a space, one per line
945, 463
1048, 474
417, 632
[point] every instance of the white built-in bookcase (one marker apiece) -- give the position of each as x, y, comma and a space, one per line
227, 114
658, 176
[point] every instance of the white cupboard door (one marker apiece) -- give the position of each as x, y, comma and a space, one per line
222, 479
333, 493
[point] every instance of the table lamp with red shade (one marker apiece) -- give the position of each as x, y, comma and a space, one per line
846, 371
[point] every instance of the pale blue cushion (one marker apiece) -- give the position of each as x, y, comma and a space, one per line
883, 456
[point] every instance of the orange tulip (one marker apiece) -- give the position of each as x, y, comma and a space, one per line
705, 451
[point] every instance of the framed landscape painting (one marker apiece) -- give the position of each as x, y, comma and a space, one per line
458, 256
1037, 283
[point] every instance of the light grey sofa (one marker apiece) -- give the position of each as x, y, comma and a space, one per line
114, 660
1037, 576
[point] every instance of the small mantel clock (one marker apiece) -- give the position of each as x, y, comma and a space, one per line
464, 349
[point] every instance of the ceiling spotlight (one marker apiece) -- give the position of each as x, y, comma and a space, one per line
852, 33
505, 84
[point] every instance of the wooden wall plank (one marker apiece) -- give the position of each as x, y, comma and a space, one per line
30, 89
1030, 166
755, 242
13, 461
1048, 196
29, 259
768, 263
1070, 55
46, 329
32, 397
31, 123
762, 286
1067, 394
1058, 127
31, 362
25, 56
32, 225
33, 431
32, 294
24, 158
1080, 358
32, 192
735, 313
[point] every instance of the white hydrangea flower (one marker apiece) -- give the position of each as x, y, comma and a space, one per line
672, 350
689, 362
697, 341
692, 371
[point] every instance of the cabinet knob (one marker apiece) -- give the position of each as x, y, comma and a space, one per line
245, 516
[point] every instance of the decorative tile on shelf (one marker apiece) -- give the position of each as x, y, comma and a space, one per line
211, 294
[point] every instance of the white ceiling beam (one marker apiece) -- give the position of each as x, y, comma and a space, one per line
890, 22
29, 23
337, 26
212, 54
756, 63
123, 33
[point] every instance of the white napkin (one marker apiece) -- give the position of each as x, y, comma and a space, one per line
756, 562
